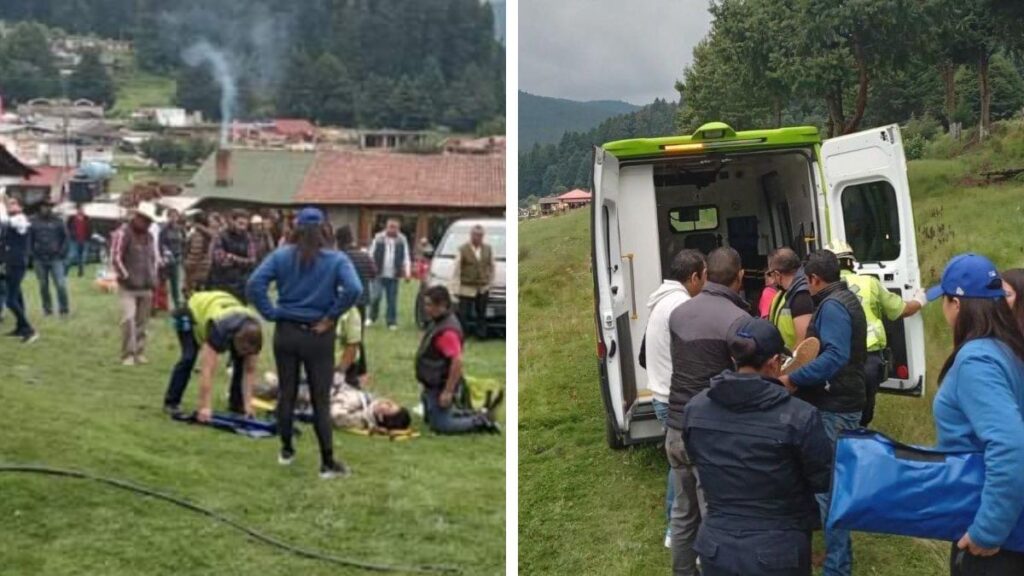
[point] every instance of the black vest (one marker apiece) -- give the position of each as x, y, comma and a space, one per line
431, 367
232, 277
846, 391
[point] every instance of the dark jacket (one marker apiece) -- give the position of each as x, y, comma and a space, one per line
431, 367
761, 454
48, 237
366, 269
14, 245
172, 243
834, 381
699, 349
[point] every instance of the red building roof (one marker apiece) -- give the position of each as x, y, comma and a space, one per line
294, 127
389, 179
47, 176
576, 195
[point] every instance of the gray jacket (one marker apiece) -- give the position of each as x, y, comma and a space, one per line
699, 349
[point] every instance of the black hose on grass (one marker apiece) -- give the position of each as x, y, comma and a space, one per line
44, 470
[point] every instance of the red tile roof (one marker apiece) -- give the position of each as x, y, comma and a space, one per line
48, 176
575, 195
393, 179
294, 127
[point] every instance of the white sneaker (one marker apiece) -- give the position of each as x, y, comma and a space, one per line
668, 540
285, 458
129, 361
392, 327
140, 359
368, 323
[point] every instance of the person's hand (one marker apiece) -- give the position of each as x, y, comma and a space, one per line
445, 400
966, 543
788, 384
920, 297
324, 325
204, 415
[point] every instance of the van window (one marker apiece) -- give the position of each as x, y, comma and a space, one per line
693, 218
872, 221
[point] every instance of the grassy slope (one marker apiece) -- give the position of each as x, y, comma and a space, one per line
585, 509
65, 401
137, 89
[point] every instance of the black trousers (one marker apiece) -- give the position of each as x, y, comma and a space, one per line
475, 308
874, 374
1004, 563
182, 372
359, 368
297, 348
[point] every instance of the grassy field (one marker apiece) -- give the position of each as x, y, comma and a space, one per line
66, 401
586, 509
137, 89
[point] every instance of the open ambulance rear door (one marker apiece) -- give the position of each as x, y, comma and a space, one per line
869, 208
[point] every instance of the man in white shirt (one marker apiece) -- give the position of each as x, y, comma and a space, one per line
687, 277
390, 251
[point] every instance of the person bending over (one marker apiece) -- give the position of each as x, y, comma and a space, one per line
211, 324
439, 369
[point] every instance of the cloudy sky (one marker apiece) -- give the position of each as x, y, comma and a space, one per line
632, 50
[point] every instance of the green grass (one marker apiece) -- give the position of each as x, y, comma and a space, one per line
65, 401
587, 509
137, 89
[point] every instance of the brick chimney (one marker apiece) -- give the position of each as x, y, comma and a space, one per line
223, 168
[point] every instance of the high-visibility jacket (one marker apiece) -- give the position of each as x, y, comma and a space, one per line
878, 303
780, 314
212, 306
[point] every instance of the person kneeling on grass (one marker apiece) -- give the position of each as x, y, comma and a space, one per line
439, 370
211, 324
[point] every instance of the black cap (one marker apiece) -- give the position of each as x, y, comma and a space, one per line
755, 337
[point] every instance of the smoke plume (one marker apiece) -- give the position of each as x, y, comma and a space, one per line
203, 53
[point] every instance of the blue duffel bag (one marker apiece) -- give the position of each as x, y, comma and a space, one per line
881, 485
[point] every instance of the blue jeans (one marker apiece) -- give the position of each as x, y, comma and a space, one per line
450, 420
661, 412
16, 301
76, 256
388, 289
174, 277
839, 549
55, 268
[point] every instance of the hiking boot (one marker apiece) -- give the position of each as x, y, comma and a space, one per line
30, 337
334, 470
285, 457
129, 361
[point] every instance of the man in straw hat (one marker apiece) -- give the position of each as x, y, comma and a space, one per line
136, 259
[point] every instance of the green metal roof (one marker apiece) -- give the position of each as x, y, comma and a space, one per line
258, 176
714, 137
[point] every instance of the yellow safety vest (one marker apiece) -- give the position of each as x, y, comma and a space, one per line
877, 302
782, 317
212, 306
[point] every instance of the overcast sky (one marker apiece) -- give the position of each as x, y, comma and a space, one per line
632, 50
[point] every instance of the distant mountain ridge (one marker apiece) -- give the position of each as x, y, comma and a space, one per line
543, 119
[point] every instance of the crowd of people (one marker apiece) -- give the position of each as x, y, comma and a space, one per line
751, 430
214, 273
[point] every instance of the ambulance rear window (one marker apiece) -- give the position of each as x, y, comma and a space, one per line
872, 220
693, 218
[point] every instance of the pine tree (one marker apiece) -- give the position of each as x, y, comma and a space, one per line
92, 81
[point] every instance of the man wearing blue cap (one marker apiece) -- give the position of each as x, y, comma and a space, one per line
315, 286
761, 455
834, 382
980, 408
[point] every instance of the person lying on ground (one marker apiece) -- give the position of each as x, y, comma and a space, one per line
439, 370
761, 455
215, 323
358, 409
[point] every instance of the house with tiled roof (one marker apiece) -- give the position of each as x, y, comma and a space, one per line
575, 198
359, 188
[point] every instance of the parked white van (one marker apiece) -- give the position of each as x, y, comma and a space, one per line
754, 191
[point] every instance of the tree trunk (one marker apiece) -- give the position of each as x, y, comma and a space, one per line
948, 70
834, 105
862, 90
777, 109
986, 97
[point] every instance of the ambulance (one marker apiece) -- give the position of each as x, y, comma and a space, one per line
753, 191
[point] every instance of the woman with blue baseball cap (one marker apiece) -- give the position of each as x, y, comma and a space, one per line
980, 407
315, 286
